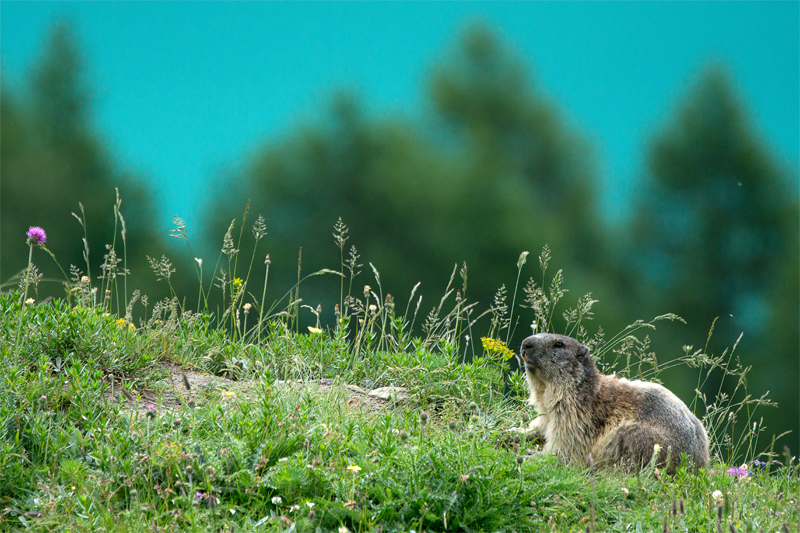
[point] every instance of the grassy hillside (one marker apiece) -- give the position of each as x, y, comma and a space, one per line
119, 415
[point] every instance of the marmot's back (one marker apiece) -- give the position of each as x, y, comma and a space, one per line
660, 418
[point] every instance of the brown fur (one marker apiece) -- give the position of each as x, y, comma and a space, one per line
616, 421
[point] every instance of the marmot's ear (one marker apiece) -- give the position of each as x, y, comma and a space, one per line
583, 351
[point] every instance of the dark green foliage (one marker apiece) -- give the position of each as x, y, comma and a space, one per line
61, 337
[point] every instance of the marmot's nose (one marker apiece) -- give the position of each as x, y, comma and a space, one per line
527, 344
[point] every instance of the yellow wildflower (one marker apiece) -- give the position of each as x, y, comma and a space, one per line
314, 331
496, 346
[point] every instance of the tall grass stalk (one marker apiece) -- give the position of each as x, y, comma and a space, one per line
200, 293
24, 301
263, 299
340, 237
109, 266
259, 231
82, 220
523, 258
241, 235
296, 303
123, 232
180, 232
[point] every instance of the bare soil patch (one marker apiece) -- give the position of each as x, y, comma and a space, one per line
189, 386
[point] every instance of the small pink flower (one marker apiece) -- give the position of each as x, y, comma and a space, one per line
36, 235
737, 472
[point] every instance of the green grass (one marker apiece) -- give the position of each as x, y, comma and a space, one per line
274, 457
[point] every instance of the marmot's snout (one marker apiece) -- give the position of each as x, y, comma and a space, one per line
528, 351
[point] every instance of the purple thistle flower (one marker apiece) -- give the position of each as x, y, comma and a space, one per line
198, 497
36, 235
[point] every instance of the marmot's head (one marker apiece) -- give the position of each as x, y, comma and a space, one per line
557, 359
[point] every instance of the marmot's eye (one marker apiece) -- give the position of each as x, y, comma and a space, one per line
558, 344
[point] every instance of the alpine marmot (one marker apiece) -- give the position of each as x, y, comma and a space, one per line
616, 421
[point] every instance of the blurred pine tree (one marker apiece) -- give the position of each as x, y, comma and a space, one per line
493, 171
51, 160
716, 236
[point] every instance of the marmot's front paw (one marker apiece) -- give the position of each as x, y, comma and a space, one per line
531, 434
534, 437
